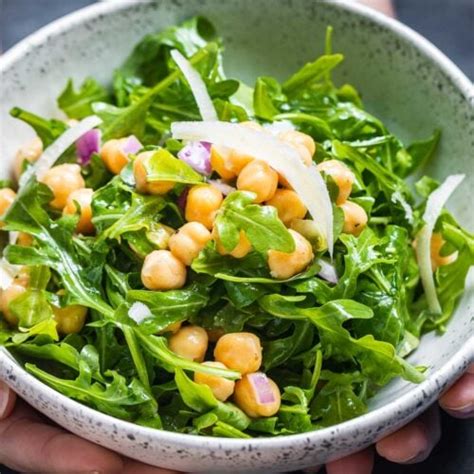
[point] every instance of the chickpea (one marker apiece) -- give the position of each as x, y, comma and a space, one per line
63, 180
143, 185
163, 271
355, 218
248, 398
189, 342
113, 156
30, 152
284, 265
221, 162
260, 179
83, 197
190, 239
70, 319
173, 328
342, 176
202, 204
298, 138
238, 161
437, 260
221, 388
239, 351
6, 297
24, 239
240, 251
303, 143
288, 205
7, 196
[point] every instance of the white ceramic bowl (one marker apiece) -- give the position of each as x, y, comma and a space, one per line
403, 79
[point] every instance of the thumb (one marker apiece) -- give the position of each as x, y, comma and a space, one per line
7, 400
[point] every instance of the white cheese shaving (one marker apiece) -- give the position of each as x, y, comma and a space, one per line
198, 88
58, 147
278, 127
139, 312
283, 158
434, 206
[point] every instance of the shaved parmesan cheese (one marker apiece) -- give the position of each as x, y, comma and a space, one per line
283, 158
198, 88
278, 127
139, 312
434, 206
328, 271
58, 147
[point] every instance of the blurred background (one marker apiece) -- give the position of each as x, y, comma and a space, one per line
449, 24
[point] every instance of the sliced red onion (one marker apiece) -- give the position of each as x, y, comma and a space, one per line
132, 145
198, 156
262, 387
328, 272
88, 144
182, 198
224, 188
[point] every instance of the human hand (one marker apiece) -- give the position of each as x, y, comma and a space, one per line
414, 442
29, 442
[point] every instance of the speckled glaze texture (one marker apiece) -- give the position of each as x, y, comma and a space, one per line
403, 79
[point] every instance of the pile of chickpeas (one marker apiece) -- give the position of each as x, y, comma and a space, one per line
239, 351
165, 269
69, 190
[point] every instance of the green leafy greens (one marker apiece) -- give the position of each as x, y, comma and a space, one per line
329, 342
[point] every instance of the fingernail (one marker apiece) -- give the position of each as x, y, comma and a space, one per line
420, 456
3, 398
466, 411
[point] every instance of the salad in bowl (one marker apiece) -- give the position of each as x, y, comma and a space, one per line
188, 253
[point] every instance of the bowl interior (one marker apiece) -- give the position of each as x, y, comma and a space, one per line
400, 82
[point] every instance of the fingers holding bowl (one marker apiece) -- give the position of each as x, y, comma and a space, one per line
28, 443
358, 463
458, 401
414, 442
7, 400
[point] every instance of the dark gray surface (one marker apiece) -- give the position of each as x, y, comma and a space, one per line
450, 26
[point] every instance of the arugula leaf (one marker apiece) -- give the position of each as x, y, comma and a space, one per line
115, 398
266, 91
337, 401
168, 307
47, 130
163, 166
77, 104
310, 73
260, 223
55, 246
197, 396
377, 358
121, 121
421, 152
147, 61
278, 351
142, 212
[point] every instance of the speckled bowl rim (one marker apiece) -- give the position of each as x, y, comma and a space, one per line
407, 406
